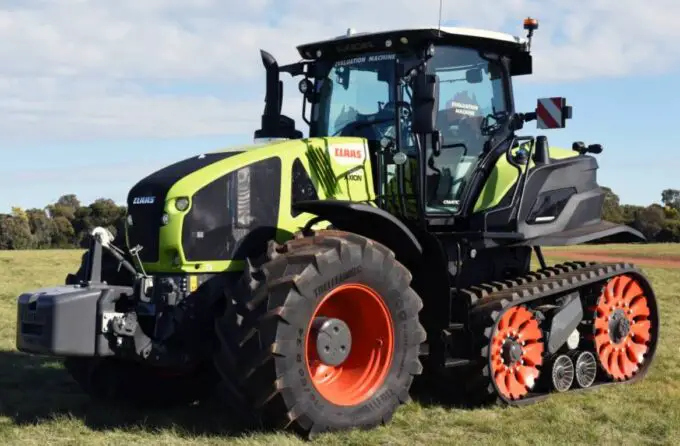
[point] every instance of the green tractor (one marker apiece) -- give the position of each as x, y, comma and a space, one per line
314, 280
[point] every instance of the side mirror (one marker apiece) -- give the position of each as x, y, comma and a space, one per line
425, 103
342, 77
521, 64
474, 76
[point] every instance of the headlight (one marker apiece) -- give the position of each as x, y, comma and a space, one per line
165, 219
129, 220
182, 204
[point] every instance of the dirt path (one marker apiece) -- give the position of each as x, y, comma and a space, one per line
659, 262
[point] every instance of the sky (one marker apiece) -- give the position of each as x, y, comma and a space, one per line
96, 94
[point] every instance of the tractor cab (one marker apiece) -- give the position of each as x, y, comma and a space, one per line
432, 104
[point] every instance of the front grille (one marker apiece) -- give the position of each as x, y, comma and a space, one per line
146, 219
145, 230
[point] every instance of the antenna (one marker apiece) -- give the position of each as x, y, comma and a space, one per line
440, 17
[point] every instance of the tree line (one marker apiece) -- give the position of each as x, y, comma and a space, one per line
60, 225
66, 223
658, 222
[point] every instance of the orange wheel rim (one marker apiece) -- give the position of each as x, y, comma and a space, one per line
372, 345
622, 327
516, 353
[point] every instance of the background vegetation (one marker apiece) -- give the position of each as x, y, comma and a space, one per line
66, 223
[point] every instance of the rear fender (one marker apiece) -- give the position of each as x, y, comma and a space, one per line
603, 231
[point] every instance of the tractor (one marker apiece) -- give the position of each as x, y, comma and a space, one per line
314, 280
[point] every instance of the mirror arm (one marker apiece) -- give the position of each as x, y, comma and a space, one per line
294, 69
436, 143
407, 73
526, 117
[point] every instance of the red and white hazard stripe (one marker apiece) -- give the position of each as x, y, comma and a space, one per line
549, 113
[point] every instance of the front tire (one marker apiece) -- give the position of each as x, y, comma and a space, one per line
297, 307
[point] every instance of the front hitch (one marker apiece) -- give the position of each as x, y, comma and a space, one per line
89, 317
100, 239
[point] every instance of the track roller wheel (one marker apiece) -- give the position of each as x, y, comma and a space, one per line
516, 353
562, 373
624, 327
330, 335
585, 368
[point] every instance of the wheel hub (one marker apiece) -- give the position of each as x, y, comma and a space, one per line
619, 326
333, 340
512, 351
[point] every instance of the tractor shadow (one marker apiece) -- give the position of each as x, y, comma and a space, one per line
443, 392
35, 390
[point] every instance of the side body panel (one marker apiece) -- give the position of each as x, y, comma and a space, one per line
504, 176
561, 202
239, 201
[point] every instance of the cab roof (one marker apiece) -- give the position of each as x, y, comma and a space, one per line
373, 41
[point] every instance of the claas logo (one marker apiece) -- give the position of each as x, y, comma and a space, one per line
342, 152
350, 154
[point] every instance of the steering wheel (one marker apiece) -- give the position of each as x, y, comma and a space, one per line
406, 110
384, 115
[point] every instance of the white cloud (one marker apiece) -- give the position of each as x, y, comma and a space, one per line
603, 38
64, 108
82, 69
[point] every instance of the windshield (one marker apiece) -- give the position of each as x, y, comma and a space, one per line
356, 97
471, 88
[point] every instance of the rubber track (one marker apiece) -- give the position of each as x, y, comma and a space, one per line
487, 303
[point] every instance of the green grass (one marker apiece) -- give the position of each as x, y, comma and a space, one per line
40, 404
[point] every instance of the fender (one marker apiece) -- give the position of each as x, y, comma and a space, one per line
369, 221
612, 232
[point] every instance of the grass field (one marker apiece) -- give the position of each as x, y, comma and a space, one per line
40, 404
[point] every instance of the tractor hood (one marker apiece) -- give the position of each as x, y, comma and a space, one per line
154, 188
146, 201
196, 213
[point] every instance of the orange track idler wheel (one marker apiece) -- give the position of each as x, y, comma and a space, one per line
622, 329
347, 369
516, 353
